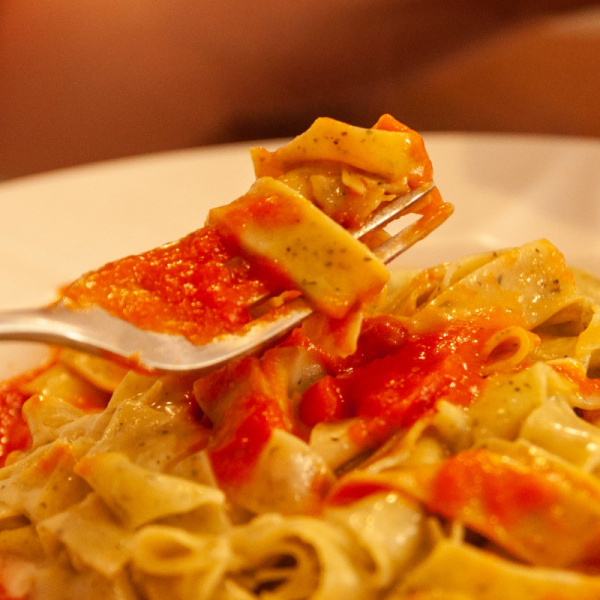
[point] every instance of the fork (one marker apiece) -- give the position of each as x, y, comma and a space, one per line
95, 331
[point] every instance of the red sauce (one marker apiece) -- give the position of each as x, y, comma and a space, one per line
196, 287
380, 336
505, 492
248, 430
268, 210
393, 392
14, 432
353, 491
244, 402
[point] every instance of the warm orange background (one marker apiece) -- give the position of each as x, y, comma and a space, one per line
83, 81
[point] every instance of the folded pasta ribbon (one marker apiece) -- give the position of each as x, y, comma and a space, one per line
302, 246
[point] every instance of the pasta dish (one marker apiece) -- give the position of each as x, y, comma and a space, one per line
424, 435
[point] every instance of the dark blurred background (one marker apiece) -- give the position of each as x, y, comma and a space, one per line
84, 80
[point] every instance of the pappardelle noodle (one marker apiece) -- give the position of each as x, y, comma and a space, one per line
429, 434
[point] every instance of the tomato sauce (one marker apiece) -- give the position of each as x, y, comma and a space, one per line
243, 403
394, 391
264, 208
380, 336
250, 428
353, 491
196, 287
506, 493
14, 432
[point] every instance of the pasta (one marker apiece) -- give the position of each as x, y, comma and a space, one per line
427, 435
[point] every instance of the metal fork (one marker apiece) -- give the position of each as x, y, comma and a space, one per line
95, 331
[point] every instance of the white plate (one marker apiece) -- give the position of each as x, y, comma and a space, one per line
507, 190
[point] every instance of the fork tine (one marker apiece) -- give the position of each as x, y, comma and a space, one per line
413, 233
391, 210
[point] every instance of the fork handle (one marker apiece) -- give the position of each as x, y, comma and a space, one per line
57, 325
31, 325
97, 332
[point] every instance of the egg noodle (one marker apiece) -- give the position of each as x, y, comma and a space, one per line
427, 435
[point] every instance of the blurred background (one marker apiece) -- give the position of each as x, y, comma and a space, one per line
84, 80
